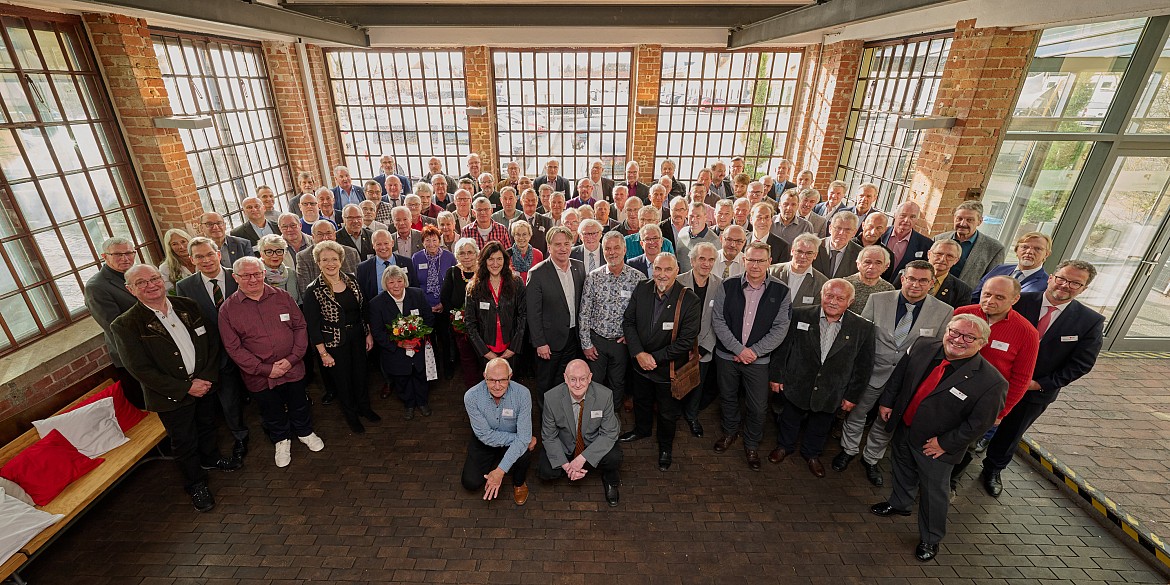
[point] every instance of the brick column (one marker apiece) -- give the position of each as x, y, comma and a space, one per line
326, 115
979, 86
647, 76
481, 93
292, 105
126, 56
830, 77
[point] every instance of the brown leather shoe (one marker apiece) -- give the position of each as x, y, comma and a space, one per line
777, 455
520, 494
753, 459
814, 465
725, 442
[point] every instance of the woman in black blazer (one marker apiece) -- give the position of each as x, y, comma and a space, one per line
406, 373
496, 312
335, 316
453, 296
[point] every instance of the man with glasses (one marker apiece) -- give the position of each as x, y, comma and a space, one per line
500, 411
694, 233
803, 281
837, 257
650, 236
1032, 249
584, 195
553, 179
1070, 339
294, 238
484, 229
947, 287
390, 169
589, 250
106, 298
233, 248
941, 396
309, 213
353, 233
761, 227
729, 261
580, 430
382, 208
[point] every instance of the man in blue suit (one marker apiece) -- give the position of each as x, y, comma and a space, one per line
369, 272
1032, 249
1070, 339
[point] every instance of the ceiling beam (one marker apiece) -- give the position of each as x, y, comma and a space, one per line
540, 15
251, 15
824, 15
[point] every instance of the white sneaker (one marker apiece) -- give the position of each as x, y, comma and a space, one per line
313, 442
284, 453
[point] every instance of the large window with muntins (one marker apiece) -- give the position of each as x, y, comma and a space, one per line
243, 149
409, 104
716, 105
66, 183
572, 106
897, 79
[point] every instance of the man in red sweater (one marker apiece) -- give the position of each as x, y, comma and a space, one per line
1011, 349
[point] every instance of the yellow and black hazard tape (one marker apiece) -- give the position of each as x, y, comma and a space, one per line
1147, 540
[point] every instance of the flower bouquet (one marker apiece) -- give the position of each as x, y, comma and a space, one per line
458, 321
409, 331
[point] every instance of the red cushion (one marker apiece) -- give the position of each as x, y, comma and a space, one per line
128, 414
47, 466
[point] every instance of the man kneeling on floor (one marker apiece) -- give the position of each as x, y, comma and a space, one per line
501, 420
580, 430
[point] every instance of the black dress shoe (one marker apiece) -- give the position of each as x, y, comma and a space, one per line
724, 443
355, 425
327, 398
664, 460
371, 416
240, 449
632, 436
425, 410
201, 497
873, 473
841, 461
777, 455
924, 552
696, 427
611, 495
992, 484
224, 464
884, 509
753, 459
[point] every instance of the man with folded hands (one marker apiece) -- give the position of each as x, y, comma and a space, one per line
580, 431
169, 348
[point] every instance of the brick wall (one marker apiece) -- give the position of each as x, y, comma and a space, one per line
326, 115
830, 76
647, 77
292, 105
983, 74
477, 66
125, 53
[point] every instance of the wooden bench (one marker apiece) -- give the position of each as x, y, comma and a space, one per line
83, 493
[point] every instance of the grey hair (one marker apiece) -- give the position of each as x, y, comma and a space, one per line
240, 262
392, 272
875, 248
845, 216
980, 324
694, 253
115, 241
273, 241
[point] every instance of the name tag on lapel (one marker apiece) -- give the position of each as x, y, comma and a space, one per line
1067, 338
414, 312
669, 325
958, 394
595, 414
422, 266
1000, 345
926, 332
806, 301
541, 228
918, 254
802, 326
284, 317
508, 413
484, 305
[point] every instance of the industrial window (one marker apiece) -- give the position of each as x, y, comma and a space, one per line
572, 106
410, 104
243, 149
65, 178
897, 79
716, 105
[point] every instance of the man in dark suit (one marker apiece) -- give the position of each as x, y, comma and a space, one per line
369, 271
208, 287
175, 354
837, 256
390, 169
743, 351
256, 226
529, 205
106, 298
761, 224
232, 248
903, 241
825, 363
941, 397
554, 303
346, 191
580, 430
553, 179
947, 287
1032, 249
661, 325
354, 234
1070, 339
641, 190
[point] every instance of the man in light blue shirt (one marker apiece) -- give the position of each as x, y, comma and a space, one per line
501, 420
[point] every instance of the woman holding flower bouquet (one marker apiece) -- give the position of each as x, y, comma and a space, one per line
495, 310
454, 297
431, 265
334, 313
400, 319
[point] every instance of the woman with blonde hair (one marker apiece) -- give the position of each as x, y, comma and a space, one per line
177, 263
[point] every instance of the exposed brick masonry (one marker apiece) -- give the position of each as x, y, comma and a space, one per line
830, 76
477, 67
647, 79
292, 105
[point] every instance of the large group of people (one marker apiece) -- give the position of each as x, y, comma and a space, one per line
821, 315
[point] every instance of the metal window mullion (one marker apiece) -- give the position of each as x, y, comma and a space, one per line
1142, 64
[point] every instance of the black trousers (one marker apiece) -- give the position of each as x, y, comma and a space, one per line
609, 369
284, 411
191, 429
816, 431
413, 389
347, 378
131, 389
482, 459
1011, 431
551, 372
916, 474
609, 466
231, 400
646, 393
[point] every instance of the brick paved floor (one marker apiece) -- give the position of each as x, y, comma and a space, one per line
386, 507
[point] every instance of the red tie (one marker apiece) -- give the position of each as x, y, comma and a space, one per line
1045, 321
926, 387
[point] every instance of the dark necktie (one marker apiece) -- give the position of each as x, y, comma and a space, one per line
216, 292
580, 446
924, 389
1016, 274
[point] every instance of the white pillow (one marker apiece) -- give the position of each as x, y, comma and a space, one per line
93, 429
13, 489
21, 523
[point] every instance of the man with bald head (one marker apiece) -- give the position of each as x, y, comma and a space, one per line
390, 169
552, 177
257, 225
232, 248
584, 195
903, 241
580, 429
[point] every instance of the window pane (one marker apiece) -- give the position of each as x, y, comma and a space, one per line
1153, 109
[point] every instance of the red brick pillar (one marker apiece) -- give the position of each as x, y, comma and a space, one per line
481, 88
647, 78
830, 77
326, 114
979, 85
292, 105
126, 56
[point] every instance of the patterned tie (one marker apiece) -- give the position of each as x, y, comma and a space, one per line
1045, 321
902, 329
580, 446
216, 292
726, 269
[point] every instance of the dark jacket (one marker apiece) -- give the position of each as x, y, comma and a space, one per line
954, 292
548, 315
325, 317
916, 249
367, 248
107, 299
234, 248
367, 274
383, 311
1068, 349
646, 334
454, 293
480, 318
820, 386
248, 232
192, 288
642, 190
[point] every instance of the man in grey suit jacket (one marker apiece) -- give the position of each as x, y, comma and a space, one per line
580, 430
553, 310
803, 281
837, 257
900, 317
407, 241
231, 248
106, 298
701, 280
981, 252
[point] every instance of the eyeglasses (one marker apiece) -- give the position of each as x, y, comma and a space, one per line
213, 224
151, 280
1070, 284
497, 380
804, 253
309, 203
274, 252
122, 254
735, 240
966, 338
590, 233
250, 275
759, 260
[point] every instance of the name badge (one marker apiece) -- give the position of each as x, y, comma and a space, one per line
668, 326
926, 332
625, 294
541, 228
806, 301
918, 254
200, 330
595, 414
484, 305
422, 266
958, 394
508, 412
1000, 345
1064, 338
285, 317
414, 312
802, 326
712, 303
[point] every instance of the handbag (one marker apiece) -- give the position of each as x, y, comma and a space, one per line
686, 378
